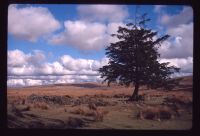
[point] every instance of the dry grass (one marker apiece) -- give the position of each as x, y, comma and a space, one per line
105, 112
97, 114
90, 113
17, 100
75, 122
41, 105
92, 106
180, 99
79, 111
66, 90
96, 106
18, 110
157, 113
27, 108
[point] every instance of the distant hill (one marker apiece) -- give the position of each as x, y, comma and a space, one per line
186, 81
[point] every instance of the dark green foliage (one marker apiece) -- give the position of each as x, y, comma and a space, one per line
134, 59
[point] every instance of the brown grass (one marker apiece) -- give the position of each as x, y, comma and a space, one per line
107, 109
156, 113
41, 105
27, 108
180, 99
92, 106
16, 111
75, 122
90, 113
97, 114
66, 90
79, 111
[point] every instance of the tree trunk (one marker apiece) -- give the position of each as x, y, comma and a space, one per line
134, 96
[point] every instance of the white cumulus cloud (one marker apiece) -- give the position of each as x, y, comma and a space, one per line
87, 36
186, 64
181, 45
184, 17
33, 69
30, 23
82, 35
180, 29
112, 13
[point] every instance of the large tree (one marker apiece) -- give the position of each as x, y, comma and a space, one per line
134, 59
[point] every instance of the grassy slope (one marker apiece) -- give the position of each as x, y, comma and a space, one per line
120, 116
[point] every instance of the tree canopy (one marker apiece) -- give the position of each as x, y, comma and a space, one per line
134, 59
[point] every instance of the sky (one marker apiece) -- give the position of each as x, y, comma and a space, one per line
50, 44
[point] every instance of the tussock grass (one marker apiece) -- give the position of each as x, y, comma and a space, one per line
92, 106
79, 111
41, 105
180, 99
97, 114
157, 113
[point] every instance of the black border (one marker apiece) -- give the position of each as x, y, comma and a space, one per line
72, 132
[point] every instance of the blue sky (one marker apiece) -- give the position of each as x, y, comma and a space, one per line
70, 39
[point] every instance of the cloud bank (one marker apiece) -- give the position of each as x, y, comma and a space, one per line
33, 68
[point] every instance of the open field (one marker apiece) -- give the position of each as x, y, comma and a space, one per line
96, 106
